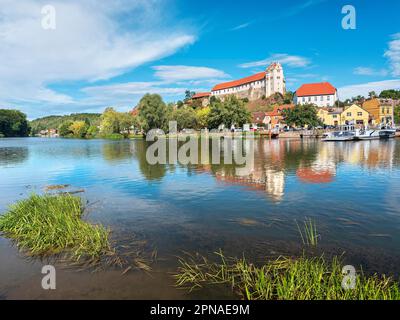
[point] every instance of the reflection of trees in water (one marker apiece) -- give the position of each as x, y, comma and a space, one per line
116, 151
150, 172
13, 155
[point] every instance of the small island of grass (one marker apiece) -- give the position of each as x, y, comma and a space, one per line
52, 224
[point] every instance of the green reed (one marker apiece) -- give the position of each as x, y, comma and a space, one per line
284, 279
308, 233
52, 224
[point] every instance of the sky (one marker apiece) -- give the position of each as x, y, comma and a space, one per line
111, 53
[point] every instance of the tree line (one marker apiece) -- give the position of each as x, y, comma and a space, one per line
13, 123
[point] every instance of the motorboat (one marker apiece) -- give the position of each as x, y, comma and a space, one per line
373, 134
387, 133
339, 136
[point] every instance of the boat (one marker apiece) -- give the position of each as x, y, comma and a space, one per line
368, 134
339, 136
346, 133
387, 133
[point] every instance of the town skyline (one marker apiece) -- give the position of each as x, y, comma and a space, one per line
111, 55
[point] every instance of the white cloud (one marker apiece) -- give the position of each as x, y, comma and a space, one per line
283, 58
363, 89
393, 54
179, 73
366, 71
241, 26
93, 40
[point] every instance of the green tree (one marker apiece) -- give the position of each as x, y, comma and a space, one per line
371, 94
64, 129
390, 94
397, 114
302, 116
185, 118
202, 117
153, 112
229, 112
288, 97
13, 123
127, 122
79, 129
189, 94
110, 122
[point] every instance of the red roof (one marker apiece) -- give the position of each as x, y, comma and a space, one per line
236, 83
314, 89
278, 110
201, 95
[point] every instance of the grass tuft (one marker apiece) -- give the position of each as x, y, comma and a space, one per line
309, 234
284, 279
52, 224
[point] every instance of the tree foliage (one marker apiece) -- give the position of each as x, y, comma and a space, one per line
231, 111
153, 112
302, 116
390, 94
13, 123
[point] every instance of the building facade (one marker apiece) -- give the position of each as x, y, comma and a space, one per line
352, 115
203, 97
381, 111
257, 86
321, 94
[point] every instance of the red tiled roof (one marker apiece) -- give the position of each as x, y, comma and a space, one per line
278, 110
201, 95
313, 89
236, 83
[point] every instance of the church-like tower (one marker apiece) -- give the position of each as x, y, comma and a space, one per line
274, 79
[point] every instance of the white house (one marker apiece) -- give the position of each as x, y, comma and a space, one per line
256, 86
322, 94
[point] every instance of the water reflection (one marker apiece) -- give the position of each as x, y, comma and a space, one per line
13, 155
311, 161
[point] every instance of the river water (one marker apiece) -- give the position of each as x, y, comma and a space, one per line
350, 189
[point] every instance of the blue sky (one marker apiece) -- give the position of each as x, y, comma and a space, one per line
110, 53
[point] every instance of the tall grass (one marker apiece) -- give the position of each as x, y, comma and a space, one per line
289, 279
52, 224
308, 233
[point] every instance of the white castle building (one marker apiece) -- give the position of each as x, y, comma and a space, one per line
263, 84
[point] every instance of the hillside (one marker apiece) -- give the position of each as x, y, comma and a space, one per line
265, 104
53, 122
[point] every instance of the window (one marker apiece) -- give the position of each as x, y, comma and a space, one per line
315, 98
309, 99
359, 114
304, 99
322, 98
334, 116
383, 110
349, 114
387, 110
328, 98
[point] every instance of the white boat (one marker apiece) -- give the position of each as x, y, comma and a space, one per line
373, 134
339, 136
370, 134
346, 133
387, 133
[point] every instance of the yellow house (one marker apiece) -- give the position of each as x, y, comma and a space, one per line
330, 117
380, 110
355, 115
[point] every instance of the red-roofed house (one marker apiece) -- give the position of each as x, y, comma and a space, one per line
254, 87
322, 94
204, 97
273, 119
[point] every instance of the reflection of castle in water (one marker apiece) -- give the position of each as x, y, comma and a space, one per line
309, 160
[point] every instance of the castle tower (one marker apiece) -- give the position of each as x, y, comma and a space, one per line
274, 79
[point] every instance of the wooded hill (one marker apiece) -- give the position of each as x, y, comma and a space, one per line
54, 122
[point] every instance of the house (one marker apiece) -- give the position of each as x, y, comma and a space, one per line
352, 115
321, 94
203, 97
271, 120
355, 115
330, 116
381, 111
262, 84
